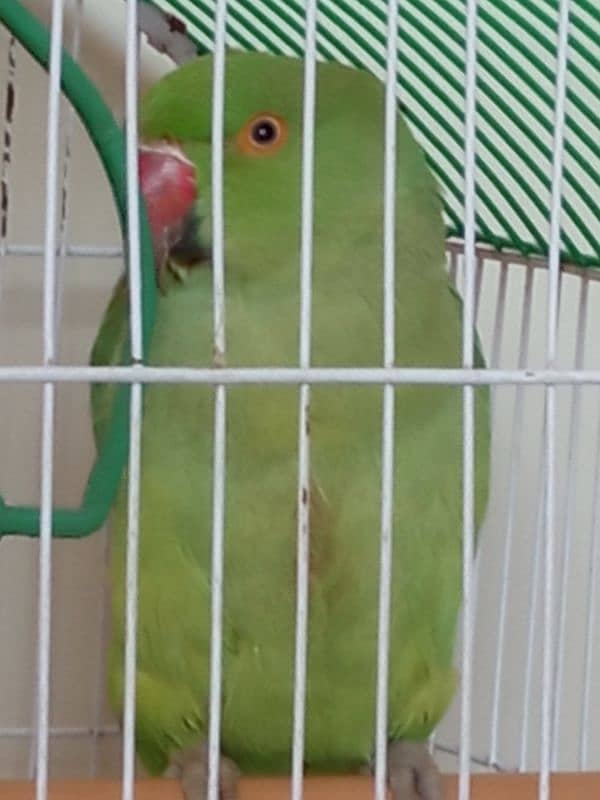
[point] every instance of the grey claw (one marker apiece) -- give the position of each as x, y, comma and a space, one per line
412, 772
192, 769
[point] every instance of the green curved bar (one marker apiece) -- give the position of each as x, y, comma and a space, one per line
108, 140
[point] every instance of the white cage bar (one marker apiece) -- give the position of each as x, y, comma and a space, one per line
48, 408
468, 344
550, 418
389, 406
135, 401
304, 489
220, 410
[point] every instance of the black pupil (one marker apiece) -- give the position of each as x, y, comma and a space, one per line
264, 132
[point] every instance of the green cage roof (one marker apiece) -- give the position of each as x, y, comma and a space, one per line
516, 73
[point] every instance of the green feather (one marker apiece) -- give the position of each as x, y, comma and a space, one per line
262, 242
108, 351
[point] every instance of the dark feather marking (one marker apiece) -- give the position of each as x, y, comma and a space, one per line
187, 249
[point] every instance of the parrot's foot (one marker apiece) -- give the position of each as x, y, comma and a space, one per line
191, 767
412, 772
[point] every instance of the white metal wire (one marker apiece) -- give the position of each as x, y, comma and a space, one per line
454, 247
478, 281
48, 403
131, 595
452, 274
453, 265
426, 376
97, 707
568, 520
66, 731
70, 250
59, 257
499, 315
135, 401
511, 505
303, 495
532, 605
388, 412
470, 262
220, 412
591, 620
33, 740
551, 417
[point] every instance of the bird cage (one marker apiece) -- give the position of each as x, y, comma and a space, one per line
504, 96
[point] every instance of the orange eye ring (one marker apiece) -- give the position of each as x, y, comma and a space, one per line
262, 135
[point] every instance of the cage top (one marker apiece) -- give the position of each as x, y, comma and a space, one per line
516, 69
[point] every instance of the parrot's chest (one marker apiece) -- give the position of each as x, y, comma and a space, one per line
260, 535
260, 593
258, 692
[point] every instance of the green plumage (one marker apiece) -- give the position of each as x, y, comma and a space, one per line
262, 242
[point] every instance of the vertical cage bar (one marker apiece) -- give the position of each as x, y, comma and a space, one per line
135, 407
532, 606
48, 406
551, 351
32, 755
511, 514
478, 284
591, 619
570, 507
220, 408
499, 314
468, 343
131, 591
388, 412
303, 498
97, 706
453, 269
133, 202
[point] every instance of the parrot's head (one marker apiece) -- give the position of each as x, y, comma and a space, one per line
263, 129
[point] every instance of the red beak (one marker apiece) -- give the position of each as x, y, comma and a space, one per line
168, 183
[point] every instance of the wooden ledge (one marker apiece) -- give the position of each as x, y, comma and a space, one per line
565, 786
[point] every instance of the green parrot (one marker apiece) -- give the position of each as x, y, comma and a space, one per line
262, 202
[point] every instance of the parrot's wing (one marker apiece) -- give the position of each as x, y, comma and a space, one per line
483, 407
170, 715
108, 350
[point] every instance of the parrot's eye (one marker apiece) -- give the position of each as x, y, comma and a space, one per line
264, 131
263, 134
